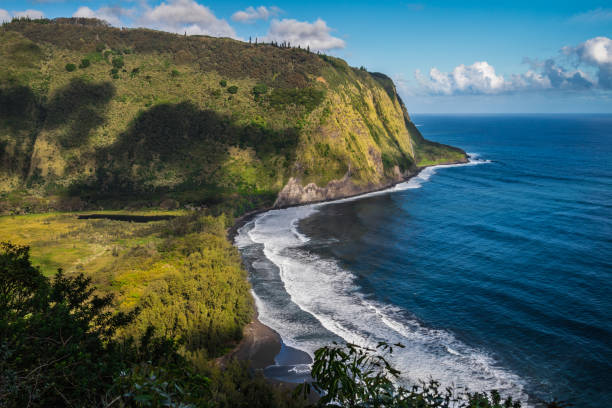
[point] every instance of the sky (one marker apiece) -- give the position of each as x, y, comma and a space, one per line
445, 56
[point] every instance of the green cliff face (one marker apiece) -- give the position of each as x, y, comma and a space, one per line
94, 115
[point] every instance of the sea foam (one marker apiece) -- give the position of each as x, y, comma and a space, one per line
322, 289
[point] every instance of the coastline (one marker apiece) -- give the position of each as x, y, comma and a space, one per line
245, 218
261, 344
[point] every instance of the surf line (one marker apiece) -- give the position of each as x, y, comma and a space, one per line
323, 290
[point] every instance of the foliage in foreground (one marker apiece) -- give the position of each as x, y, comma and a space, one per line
352, 376
58, 347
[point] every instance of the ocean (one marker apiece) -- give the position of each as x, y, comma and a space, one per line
496, 274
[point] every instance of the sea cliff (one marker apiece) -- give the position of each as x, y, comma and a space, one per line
100, 117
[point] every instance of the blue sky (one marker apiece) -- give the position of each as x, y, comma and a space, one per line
445, 56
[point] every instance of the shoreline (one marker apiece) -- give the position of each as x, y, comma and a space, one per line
261, 344
245, 218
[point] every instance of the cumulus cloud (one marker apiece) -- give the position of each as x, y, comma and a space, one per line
480, 77
112, 15
315, 35
29, 13
597, 53
252, 14
5, 16
181, 16
594, 55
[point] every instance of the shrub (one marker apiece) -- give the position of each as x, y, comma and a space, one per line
232, 89
114, 71
355, 376
310, 98
84, 63
70, 67
223, 83
118, 62
260, 89
174, 73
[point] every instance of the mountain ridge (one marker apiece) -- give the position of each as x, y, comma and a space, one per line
96, 116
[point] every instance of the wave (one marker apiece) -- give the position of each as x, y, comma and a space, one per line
322, 289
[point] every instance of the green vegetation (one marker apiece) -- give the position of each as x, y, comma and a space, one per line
100, 136
352, 376
146, 125
61, 346
118, 62
183, 274
260, 89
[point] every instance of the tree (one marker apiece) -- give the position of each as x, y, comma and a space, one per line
232, 89
84, 63
20, 282
352, 376
223, 83
56, 336
70, 67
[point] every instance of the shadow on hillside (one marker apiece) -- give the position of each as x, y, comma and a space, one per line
19, 107
180, 147
20, 117
81, 105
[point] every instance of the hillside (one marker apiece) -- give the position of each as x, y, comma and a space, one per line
94, 116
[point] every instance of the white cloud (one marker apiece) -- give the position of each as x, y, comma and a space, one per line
481, 78
595, 52
180, 16
251, 14
5, 16
593, 16
315, 35
112, 15
33, 14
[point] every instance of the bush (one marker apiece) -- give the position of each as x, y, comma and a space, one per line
260, 89
56, 336
174, 73
84, 63
70, 67
309, 98
118, 62
232, 89
354, 376
223, 83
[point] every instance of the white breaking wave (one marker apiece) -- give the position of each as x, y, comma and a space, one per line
323, 289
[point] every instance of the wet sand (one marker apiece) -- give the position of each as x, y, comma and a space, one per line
260, 345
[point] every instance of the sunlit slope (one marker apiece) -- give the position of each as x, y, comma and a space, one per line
111, 116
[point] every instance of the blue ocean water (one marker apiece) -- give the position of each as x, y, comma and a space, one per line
494, 275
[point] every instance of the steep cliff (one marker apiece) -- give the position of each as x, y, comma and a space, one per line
95, 115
